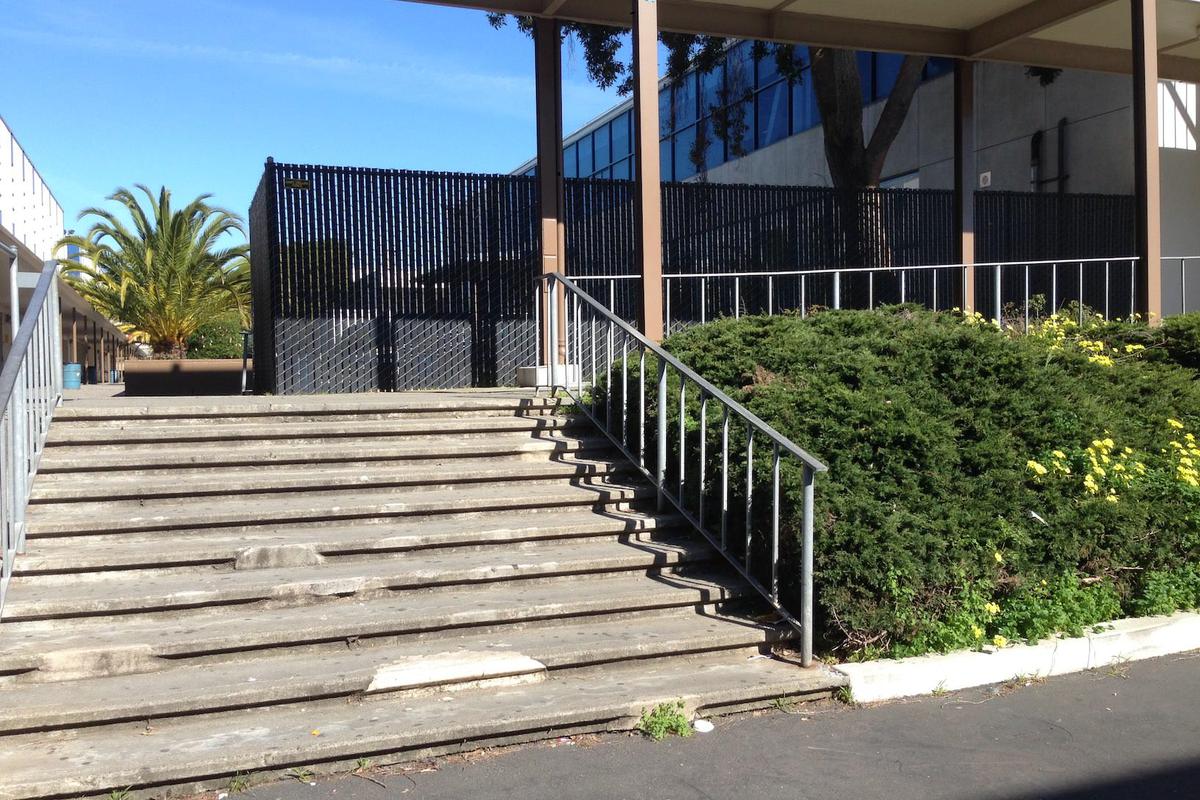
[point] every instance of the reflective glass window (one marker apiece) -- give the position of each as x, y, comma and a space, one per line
621, 135
602, 145
684, 140
772, 114
584, 146
570, 165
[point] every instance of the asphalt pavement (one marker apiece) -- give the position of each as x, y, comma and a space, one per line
1131, 731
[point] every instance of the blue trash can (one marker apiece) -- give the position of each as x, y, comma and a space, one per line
72, 376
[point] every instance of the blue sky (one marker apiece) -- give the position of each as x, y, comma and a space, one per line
195, 95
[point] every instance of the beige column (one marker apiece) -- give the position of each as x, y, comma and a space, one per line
1145, 148
547, 47
965, 175
649, 173
74, 336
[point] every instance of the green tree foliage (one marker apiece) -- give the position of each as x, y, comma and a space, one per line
168, 274
974, 492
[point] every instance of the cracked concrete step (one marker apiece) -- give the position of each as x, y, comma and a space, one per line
78, 519
225, 545
135, 459
115, 486
416, 403
59, 650
47, 596
281, 677
184, 750
140, 431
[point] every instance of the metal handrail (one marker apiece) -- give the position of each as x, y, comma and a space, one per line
565, 332
30, 390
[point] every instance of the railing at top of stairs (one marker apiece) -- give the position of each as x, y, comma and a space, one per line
30, 389
581, 331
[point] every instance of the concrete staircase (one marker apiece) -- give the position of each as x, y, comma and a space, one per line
246, 585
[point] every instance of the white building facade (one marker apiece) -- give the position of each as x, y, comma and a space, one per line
28, 209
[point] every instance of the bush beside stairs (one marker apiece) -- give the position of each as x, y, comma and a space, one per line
247, 585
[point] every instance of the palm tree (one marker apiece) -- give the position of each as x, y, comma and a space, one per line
165, 276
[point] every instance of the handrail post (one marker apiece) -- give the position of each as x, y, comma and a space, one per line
806, 570
552, 333
18, 417
660, 465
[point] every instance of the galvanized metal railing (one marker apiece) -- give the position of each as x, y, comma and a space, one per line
30, 390
1010, 291
714, 487
1180, 268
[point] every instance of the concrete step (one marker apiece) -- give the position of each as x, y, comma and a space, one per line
63, 650
309, 576
217, 546
291, 676
211, 746
440, 403
134, 459
109, 487
80, 519
139, 431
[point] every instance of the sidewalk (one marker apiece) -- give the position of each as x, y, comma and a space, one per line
1124, 732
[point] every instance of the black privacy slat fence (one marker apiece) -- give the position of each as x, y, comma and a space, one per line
382, 280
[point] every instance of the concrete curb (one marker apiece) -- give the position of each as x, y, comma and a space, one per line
1119, 641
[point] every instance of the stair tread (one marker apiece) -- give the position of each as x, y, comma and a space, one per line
143, 430
31, 645
106, 486
75, 518
217, 544
94, 409
105, 592
290, 675
97, 759
221, 454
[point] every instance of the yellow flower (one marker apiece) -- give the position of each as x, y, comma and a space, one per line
1037, 468
998, 556
999, 641
1176, 424
992, 608
978, 631
1059, 454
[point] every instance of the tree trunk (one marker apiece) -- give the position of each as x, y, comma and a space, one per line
855, 165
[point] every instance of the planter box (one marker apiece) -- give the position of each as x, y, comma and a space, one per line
191, 377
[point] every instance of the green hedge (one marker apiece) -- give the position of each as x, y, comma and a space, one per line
219, 337
936, 528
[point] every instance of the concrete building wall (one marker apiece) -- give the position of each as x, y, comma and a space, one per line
28, 209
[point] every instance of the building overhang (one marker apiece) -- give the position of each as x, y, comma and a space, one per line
1065, 34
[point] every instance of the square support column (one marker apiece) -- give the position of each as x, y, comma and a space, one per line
1145, 160
649, 171
965, 176
547, 46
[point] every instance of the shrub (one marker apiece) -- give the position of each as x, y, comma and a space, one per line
934, 528
219, 337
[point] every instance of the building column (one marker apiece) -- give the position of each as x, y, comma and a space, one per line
547, 62
1145, 159
649, 172
965, 176
101, 376
74, 336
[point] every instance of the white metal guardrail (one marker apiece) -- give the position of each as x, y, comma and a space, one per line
30, 390
1011, 291
697, 480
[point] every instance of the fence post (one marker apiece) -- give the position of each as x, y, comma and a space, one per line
996, 295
